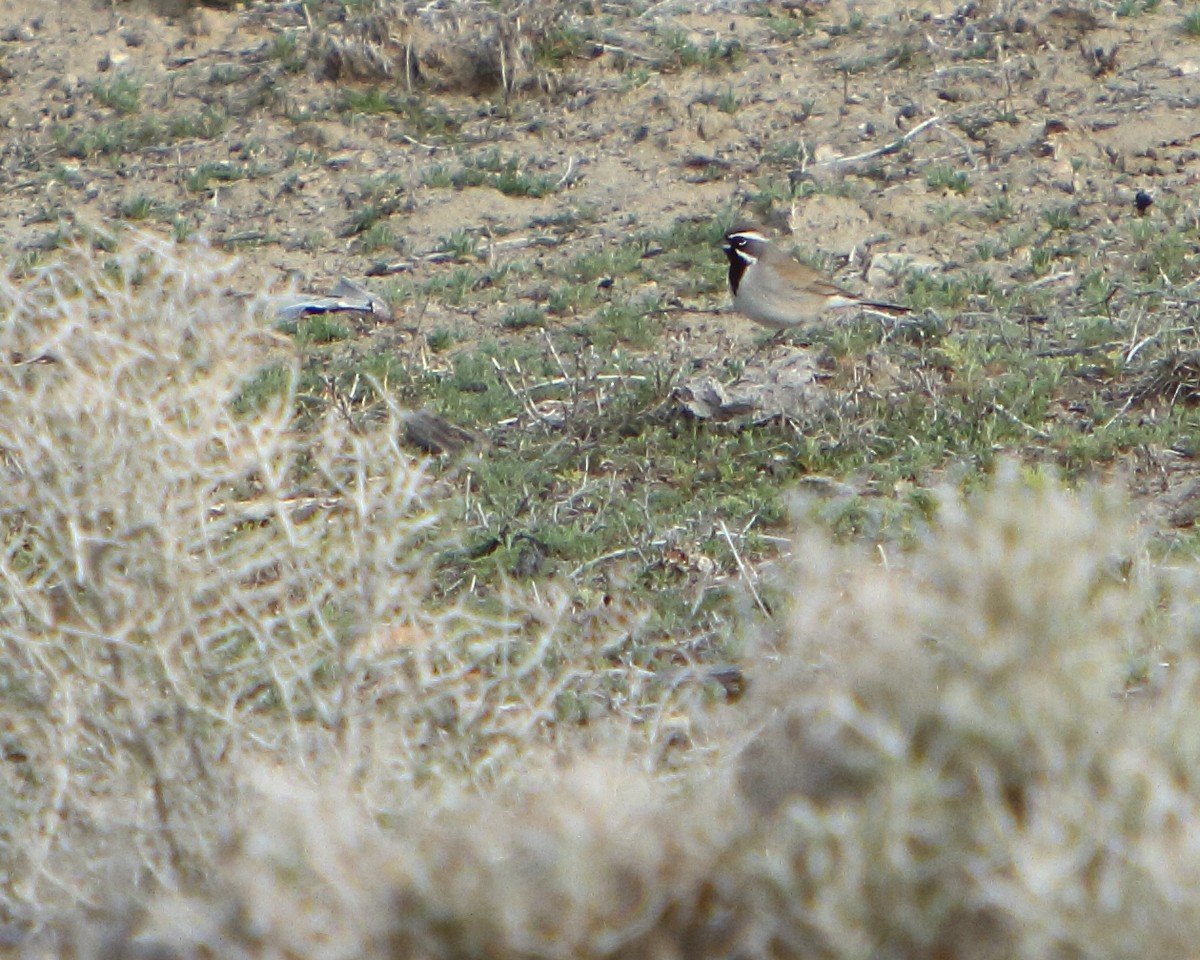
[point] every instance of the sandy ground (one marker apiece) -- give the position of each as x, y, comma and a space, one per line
1040, 107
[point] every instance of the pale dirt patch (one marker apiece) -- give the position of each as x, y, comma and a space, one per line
1048, 108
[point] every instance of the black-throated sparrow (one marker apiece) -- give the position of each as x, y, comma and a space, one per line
777, 290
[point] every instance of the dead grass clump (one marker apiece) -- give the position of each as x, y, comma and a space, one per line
458, 47
948, 770
594, 861
173, 574
184, 588
1174, 378
937, 766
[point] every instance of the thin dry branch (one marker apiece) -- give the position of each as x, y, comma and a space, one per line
892, 147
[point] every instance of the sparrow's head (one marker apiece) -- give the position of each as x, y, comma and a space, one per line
744, 244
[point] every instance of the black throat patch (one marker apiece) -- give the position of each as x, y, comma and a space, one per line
739, 261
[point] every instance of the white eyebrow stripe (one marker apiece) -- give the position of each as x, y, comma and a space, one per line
748, 235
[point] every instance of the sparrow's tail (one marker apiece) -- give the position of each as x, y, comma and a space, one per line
893, 308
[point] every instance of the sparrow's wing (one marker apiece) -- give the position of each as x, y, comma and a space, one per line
834, 296
827, 288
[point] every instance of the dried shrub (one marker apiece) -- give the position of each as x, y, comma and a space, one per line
1173, 378
232, 695
935, 764
186, 589
587, 862
458, 47
949, 769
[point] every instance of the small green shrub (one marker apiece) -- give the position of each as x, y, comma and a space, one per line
123, 93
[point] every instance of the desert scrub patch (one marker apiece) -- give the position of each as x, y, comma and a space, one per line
612, 260
451, 287
460, 245
1190, 25
144, 207
378, 198
679, 51
785, 152
126, 134
223, 171
984, 703
948, 179
316, 329
272, 384
725, 100
561, 44
228, 74
1050, 655
69, 235
1062, 218
1167, 254
492, 169
997, 209
176, 545
422, 116
440, 339
784, 28
377, 237
523, 316
1134, 8
206, 124
682, 254
289, 50
634, 322
123, 93
923, 290
111, 138
372, 100
586, 469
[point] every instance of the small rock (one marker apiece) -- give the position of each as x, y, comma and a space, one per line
15, 34
824, 153
114, 58
712, 124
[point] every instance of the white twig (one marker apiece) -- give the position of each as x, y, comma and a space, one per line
417, 143
604, 557
881, 151
743, 570
1036, 431
568, 177
1052, 278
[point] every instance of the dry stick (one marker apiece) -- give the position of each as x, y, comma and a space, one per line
1136, 348
554, 353
598, 378
1004, 411
653, 8
881, 151
1120, 413
737, 557
966, 147
520, 395
566, 178
1052, 278
611, 555
442, 256
624, 52
417, 143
